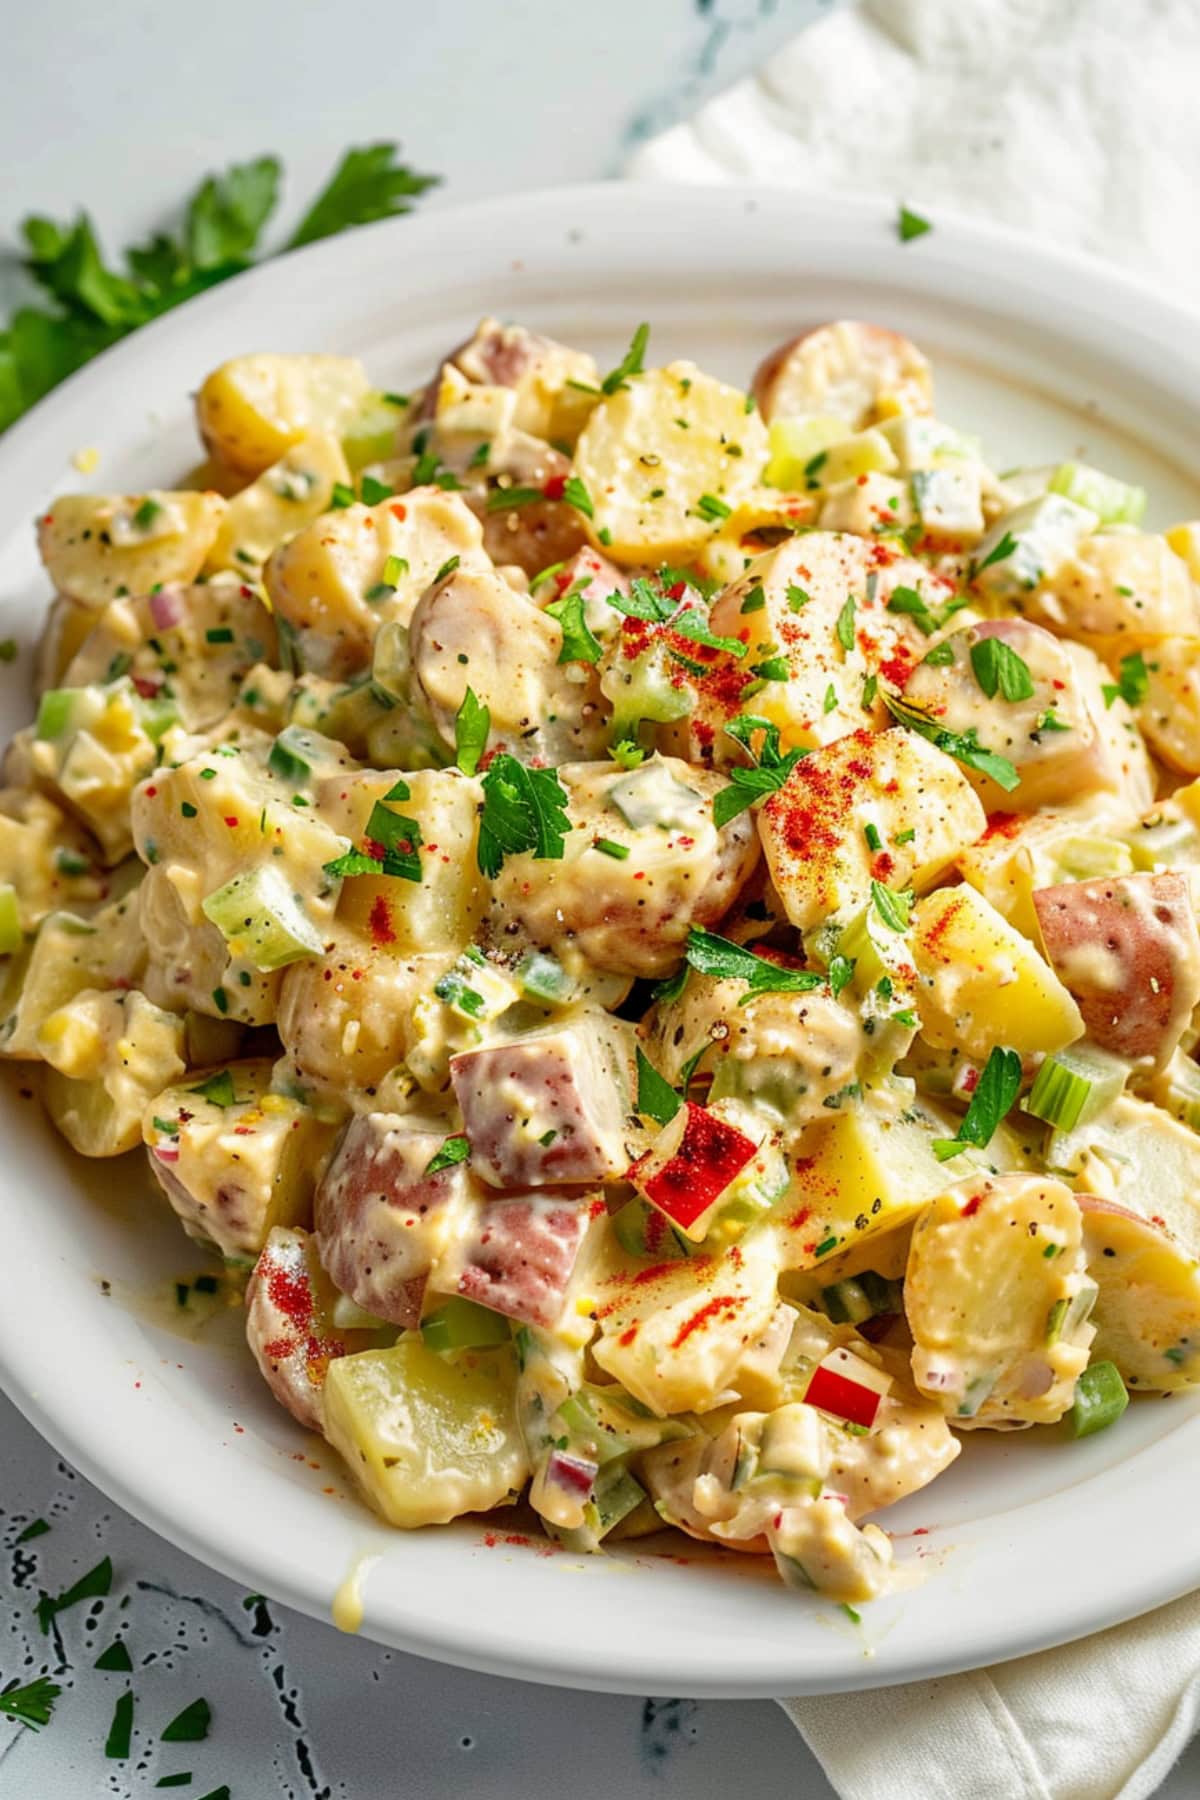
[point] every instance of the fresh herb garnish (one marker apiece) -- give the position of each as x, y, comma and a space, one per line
218, 1090
1132, 683
95, 305
120, 1732
893, 906
630, 364
32, 1703
35, 1529
841, 972
505, 499
656, 1098
454, 1150
116, 1659
607, 847
709, 507
719, 957
579, 642
190, 1726
374, 492
997, 553
998, 668
844, 629
523, 809
472, 723
910, 225
995, 1092
771, 770
576, 495
964, 746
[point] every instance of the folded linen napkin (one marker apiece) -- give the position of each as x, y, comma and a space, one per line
1078, 122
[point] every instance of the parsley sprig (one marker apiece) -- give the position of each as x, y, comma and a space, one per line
656, 1098
1132, 683
963, 746
94, 304
721, 958
472, 723
579, 641
32, 1703
523, 810
632, 363
391, 843
995, 1092
998, 669
771, 768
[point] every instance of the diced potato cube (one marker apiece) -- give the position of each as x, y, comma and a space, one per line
1117, 590
342, 577
98, 546
665, 459
1128, 950
1147, 1311
1017, 855
673, 1333
537, 370
108, 1054
254, 408
233, 1158
289, 1324
67, 955
523, 1254
980, 983
869, 506
813, 828
45, 857
383, 1221
549, 1107
428, 1437
865, 1173
287, 496
998, 1301
948, 503
348, 1017
1029, 546
1169, 716
857, 372
442, 910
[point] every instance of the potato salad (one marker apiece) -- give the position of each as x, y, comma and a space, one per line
654, 924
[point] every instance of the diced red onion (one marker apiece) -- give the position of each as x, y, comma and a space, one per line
574, 1474
167, 608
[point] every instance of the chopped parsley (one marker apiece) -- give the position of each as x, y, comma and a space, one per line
579, 642
472, 723
218, 1090
454, 1150
994, 1096
656, 1098
997, 553
373, 492
910, 225
576, 495
523, 810
92, 1586
632, 363
964, 746
771, 770
719, 957
844, 629
998, 668
32, 1703
1132, 683
893, 906
841, 972
190, 1726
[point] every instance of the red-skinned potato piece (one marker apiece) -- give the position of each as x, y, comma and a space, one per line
549, 1108
1128, 949
382, 1220
853, 371
1147, 1311
289, 1299
690, 1165
522, 1252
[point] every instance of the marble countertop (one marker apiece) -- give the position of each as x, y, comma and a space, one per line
122, 109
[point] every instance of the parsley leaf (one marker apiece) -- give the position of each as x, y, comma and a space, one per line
31, 1704
454, 1150
218, 1090
579, 642
228, 212
910, 225
997, 666
893, 906
841, 972
576, 495
1132, 683
368, 184
719, 957
771, 769
1005, 547
190, 1726
844, 629
630, 364
523, 809
964, 747
472, 723
929, 619
92, 1586
656, 1098
995, 1093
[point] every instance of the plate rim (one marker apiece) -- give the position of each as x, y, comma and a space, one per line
42, 438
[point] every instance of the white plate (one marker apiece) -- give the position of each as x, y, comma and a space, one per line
1029, 1540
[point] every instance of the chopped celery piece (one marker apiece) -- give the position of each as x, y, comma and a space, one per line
1083, 858
464, 1325
158, 716
474, 990
1114, 502
615, 1497
1100, 1399
287, 758
371, 434
850, 1302
11, 935
866, 453
1066, 1315
1074, 1085
651, 796
348, 1315
794, 443
391, 661
648, 688
58, 711
604, 1425
543, 977
261, 919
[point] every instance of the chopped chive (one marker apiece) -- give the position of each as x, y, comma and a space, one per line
618, 851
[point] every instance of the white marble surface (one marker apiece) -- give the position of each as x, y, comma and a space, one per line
122, 109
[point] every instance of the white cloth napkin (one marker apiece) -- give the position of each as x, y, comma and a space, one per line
1077, 120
